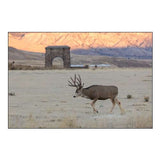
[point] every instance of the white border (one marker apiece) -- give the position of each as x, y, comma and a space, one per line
81, 15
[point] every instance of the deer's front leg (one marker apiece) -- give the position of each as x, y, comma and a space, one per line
93, 105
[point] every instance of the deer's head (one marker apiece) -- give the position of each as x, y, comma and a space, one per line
76, 82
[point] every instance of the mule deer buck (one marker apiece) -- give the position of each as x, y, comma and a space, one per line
95, 92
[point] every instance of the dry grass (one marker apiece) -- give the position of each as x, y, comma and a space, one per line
69, 122
57, 67
31, 122
143, 122
43, 106
23, 67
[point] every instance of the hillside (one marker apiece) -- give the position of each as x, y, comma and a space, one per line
128, 52
16, 54
21, 57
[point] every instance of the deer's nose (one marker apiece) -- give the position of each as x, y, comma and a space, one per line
74, 96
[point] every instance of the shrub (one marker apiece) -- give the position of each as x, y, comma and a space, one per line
129, 96
146, 99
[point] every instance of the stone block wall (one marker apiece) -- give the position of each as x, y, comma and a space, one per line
57, 51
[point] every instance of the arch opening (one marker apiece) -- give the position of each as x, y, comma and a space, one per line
57, 63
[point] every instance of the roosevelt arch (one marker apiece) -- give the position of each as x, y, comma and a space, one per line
57, 51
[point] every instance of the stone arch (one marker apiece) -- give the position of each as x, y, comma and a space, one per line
57, 51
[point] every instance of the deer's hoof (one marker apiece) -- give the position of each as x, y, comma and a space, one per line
96, 111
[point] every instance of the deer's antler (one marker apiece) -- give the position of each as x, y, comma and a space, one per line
76, 82
72, 83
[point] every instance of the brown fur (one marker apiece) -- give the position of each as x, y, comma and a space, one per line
100, 92
95, 92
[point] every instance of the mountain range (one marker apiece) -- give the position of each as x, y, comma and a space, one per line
37, 41
128, 45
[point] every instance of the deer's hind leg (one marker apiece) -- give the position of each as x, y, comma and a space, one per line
113, 102
119, 104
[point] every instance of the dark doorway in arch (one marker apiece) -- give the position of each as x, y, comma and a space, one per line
57, 63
